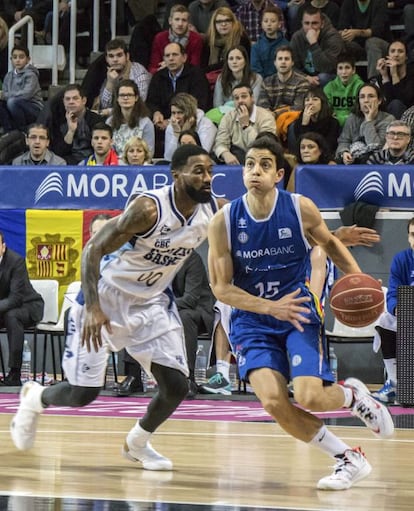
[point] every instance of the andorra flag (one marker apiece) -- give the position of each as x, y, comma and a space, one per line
54, 245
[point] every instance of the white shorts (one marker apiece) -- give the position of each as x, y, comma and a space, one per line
150, 330
222, 313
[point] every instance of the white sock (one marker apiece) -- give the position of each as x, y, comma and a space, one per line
139, 435
391, 368
349, 397
223, 367
328, 442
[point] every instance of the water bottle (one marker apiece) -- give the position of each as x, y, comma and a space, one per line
333, 362
233, 377
148, 382
200, 366
110, 379
26, 362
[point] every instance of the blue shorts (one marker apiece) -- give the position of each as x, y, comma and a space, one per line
263, 341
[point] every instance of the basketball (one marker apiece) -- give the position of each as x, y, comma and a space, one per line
357, 299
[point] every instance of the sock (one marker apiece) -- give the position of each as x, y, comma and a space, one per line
391, 368
328, 442
349, 397
139, 435
223, 367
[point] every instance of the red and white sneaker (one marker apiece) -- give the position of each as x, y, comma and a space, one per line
351, 467
373, 413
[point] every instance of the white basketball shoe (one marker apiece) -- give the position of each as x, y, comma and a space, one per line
135, 450
351, 467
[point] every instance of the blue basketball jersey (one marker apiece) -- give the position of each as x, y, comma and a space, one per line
270, 255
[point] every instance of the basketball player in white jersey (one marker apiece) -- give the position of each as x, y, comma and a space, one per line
259, 249
128, 304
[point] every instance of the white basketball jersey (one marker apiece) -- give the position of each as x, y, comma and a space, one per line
149, 266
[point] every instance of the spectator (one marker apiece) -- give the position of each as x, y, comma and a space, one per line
327, 7
262, 54
176, 76
179, 32
103, 154
285, 88
184, 116
364, 130
119, 67
241, 126
201, 12
316, 47
317, 117
37, 139
20, 307
342, 91
401, 274
4, 39
21, 97
70, 124
396, 150
130, 117
189, 137
251, 12
36, 9
136, 152
224, 32
396, 79
236, 69
364, 29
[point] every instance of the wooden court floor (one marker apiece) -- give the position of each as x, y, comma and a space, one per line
220, 466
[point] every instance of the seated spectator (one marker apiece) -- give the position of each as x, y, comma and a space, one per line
184, 116
36, 9
251, 12
316, 47
263, 52
4, 39
37, 140
21, 96
286, 89
201, 12
327, 7
70, 124
179, 32
241, 126
396, 150
119, 67
189, 137
396, 79
130, 117
342, 91
104, 153
317, 117
20, 307
364, 29
236, 69
312, 149
224, 32
364, 130
136, 152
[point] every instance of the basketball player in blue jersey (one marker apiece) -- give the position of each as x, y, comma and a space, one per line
128, 305
258, 263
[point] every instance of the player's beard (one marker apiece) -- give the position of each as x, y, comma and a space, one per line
201, 196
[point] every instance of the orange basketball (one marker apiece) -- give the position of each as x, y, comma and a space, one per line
357, 299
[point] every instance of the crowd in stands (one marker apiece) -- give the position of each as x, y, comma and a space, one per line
217, 73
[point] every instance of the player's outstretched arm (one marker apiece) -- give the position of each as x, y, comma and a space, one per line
352, 235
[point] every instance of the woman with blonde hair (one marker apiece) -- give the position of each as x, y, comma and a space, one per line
224, 32
4, 38
136, 152
130, 117
186, 116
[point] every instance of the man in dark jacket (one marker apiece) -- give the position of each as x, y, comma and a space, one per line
20, 307
70, 124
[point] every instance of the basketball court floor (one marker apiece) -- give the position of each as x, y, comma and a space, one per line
228, 456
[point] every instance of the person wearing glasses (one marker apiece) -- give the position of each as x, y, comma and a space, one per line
397, 149
37, 140
201, 12
130, 117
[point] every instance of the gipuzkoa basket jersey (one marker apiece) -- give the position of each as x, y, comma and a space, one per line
270, 255
150, 264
